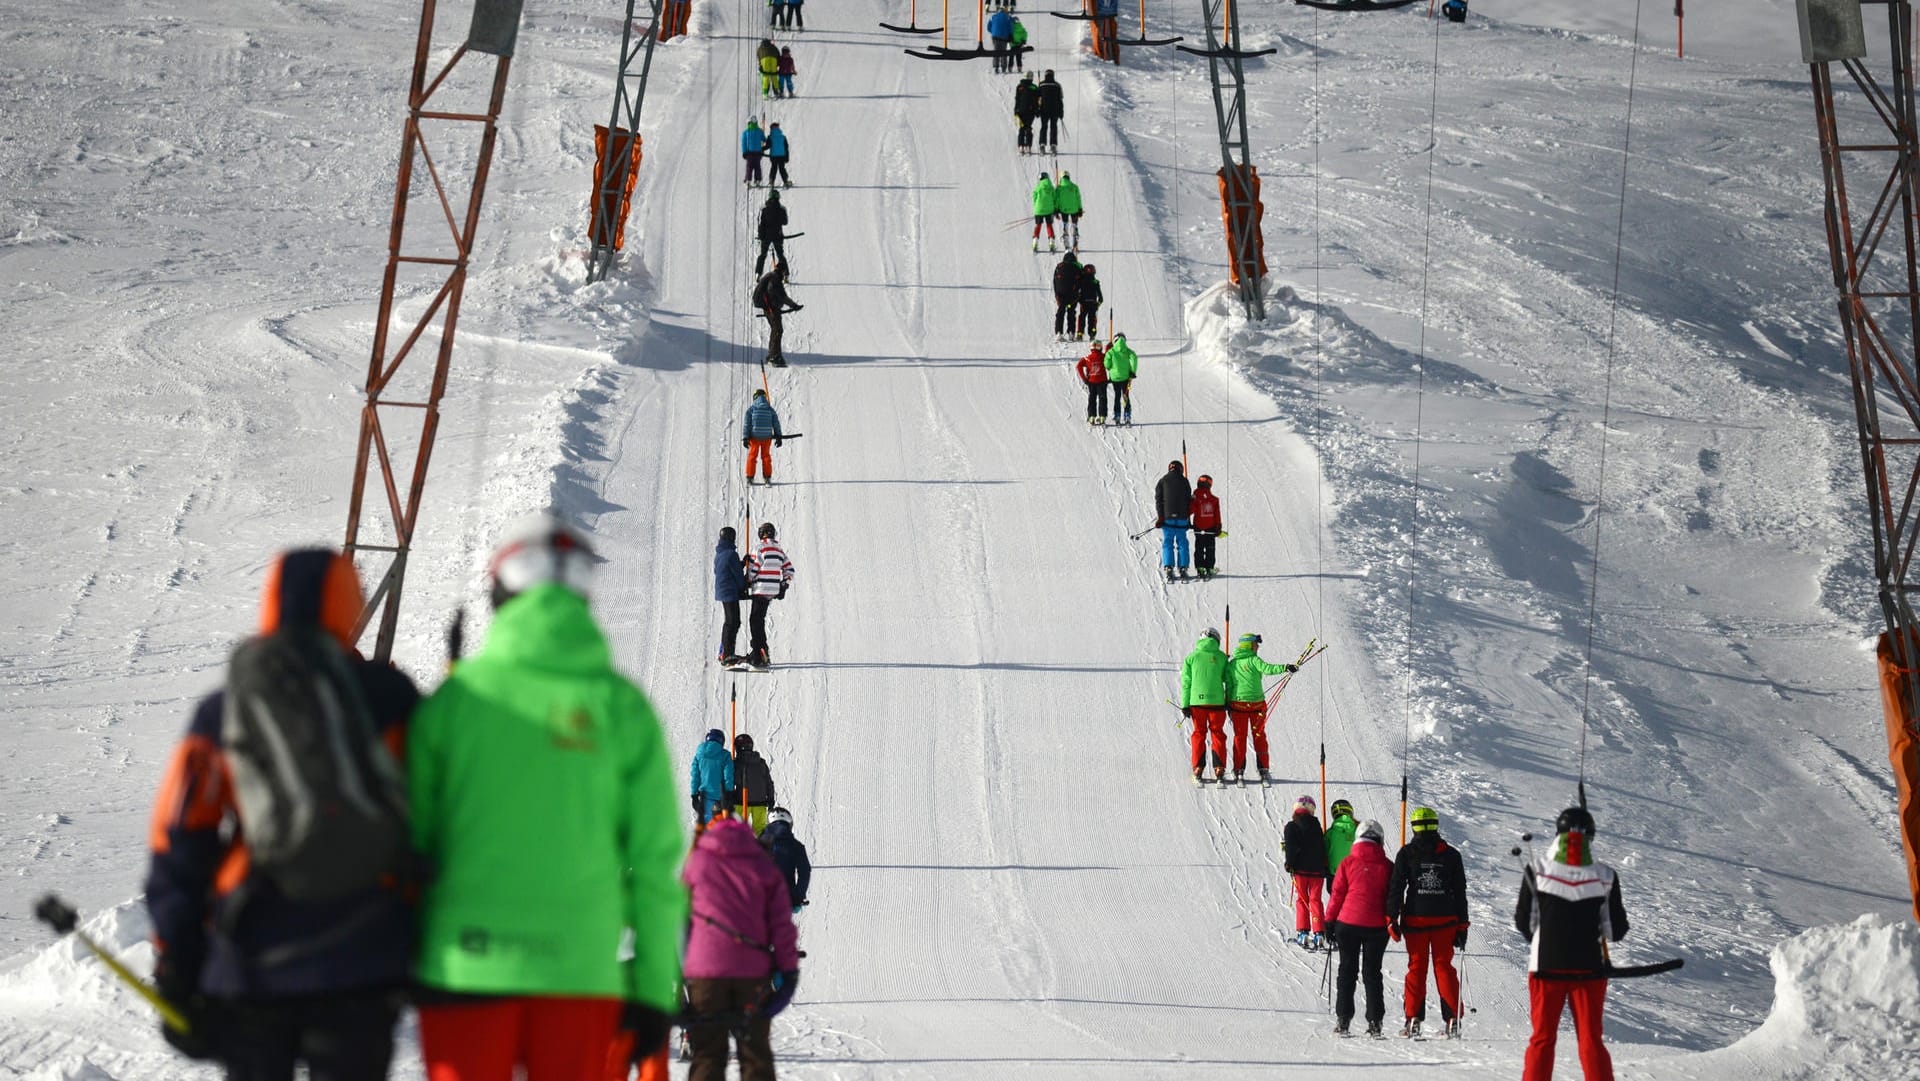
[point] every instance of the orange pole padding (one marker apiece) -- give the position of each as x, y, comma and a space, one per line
946, 20
1234, 228
1323, 786
1904, 753
607, 147
980, 25
673, 19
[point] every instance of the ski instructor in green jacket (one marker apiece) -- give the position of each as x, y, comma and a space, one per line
544, 806
1247, 702
1203, 694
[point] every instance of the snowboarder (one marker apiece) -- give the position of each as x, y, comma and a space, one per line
1247, 702
771, 573
772, 227
1304, 849
729, 588
743, 961
710, 776
1090, 297
1357, 912
1093, 372
753, 781
1052, 110
1066, 203
770, 296
352, 951
1026, 106
759, 429
1019, 43
786, 68
1122, 366
1206, 525
1066, 297
753, 143
789, 854
1339, 834
1202, 691
770, 68
1000, 29
1172, 499
513, 963
1569, 907
1427, 901
1043, 209
1454, 10
777, 154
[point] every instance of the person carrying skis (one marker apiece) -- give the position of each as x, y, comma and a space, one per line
1066, 296
729, 588
1000, 29
777, 154
1172, 500
1304, 849
753, 781
543, 800
1202, 691
710, 776
1026, 106
1247, 702
1357, 913
772, 227
1019, 49
1427, 901
1066, 203
1569, 907
1339, 834
332, 999
1052, 110
753, 143
1090, 297
759, 429
1206, 525
1122, 366
770, 296
1043, 210
743, 960
771, 573
1093, 372
786, 69
789, 855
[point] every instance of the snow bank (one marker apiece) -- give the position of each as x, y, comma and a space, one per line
66, 973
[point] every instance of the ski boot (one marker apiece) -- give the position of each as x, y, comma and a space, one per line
1169, 574
1453, 1028
1220, 775
1265, 777
1239, 777
1199, 776
777, 361
760, 661
1317, 942
1373, 1030
1101, 421
1051, 246
1339, 1029
1300, 938
1183, 574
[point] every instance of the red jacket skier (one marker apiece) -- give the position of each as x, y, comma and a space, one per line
1205, 509
1092, 369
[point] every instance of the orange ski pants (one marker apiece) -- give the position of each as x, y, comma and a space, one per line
759, 448
1209, 725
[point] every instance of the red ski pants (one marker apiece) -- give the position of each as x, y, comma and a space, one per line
620, 1065
1209, 725
1245, 715
1309, 912
555, 1038
1589, 999
1438, 944
757, 449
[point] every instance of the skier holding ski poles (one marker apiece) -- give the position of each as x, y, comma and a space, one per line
1569, 908
1052, 111
772, 229
1247, 702
1202, 690
1171, 501
1043, 210
1122, 365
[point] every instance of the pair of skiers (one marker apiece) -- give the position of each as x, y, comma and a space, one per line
770, 297
776, 70
1009, 40
285, 936
1061, 200
786, 14
1215, 687
1178, 508
1077, 297
759, 579
741, 782
760, 431
771, 143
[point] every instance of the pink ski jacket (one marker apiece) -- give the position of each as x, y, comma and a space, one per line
742, 921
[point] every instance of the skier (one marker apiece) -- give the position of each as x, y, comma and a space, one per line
753, 143
776, 14
765, 49
1304, 849
743, 961
754, 782
1000, 29
1247, 703
333, 1000
789, 855
543, 800
1066, 295
729, 588
1339, 834
771, 573
760, 427
1122, 365
1093, 372
1202, 690
1171, 500
772, 227
1052, 110
710, 776
1089, 296
1427, 901
786, 68
1454, 10
796, 18
1019, 43
1569, 907
1206, 525
770, 296
770, 66
777, 153
1357, 912
1026, 105
1043, 210
1066, 203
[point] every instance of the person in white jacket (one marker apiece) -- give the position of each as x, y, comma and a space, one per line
769, 572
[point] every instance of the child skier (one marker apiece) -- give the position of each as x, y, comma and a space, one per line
1093, 372
786, 68
1247, 701
1202, 690
777, 154
1043, 210
754, 782
789, 854
1122, 366
1171, 504
711, 775
770, 572
1066, 203
1090, 297
1206, 525
1427, 901
1304, 849
753, 143
1019, 44
759, 429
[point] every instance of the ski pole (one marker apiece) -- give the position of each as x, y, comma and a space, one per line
1145, 531
60, 916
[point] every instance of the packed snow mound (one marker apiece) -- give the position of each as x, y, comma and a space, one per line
66, 973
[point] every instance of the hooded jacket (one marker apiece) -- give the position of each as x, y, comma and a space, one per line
1360, 887
1203, 675
751, 140
1246, 673
1122, 362
761, 421
1043, 205
750, 773
1171, 497
1000, 26
1066, 196
1304, 848
1339, 840
791, 857
1429, 883
711, 774
729, 576
1206, 508
543, 798
737, 894
217, 928
1569, 905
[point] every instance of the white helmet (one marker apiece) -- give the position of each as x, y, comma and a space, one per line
540, 548
779, 814
1372, 830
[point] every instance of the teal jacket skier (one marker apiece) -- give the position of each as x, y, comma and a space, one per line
1247, 701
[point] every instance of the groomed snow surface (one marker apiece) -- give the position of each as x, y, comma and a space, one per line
1013, 875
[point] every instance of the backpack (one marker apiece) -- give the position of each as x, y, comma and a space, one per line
322, 801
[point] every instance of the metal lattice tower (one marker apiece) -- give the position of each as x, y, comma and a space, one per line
629, 93
1224, 66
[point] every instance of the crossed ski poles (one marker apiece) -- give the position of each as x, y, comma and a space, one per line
1313, 649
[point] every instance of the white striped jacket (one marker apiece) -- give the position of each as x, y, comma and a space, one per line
769, 571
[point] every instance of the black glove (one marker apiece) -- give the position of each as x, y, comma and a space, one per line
1460, 938
649, 1027
179, 987
699, 803
745, 442
795, 307
783, 592
1333, 929
1187, 712
778, 440
781, 994
731, 798
1289, 669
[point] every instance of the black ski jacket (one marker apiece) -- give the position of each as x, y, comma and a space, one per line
1568, 909
1066, 280
1090, 294
773, 222
770, 294
1052, 105
791, 855
750, 772
1304, 847
1026, 100
1173, 499
1428, 881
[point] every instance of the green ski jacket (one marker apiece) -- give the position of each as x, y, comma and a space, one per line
1339, 841
1066, 197
1043, 202
1203, 675
1122, 362
1246, 672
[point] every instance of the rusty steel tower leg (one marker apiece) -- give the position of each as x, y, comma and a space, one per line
395, 389
610, 193
1239, 192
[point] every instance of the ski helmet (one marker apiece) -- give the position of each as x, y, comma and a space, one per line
759, 393
1175, 466
538, 549
1341, 807
779, 814
714, 735
743, 742
1087, 269
727, 535
1064, 175
1213, 633
1305, 803
1251, 640
1049, 73
1204, 481
1370, 830
767, 532
1426, 820
1574, 820
773, 197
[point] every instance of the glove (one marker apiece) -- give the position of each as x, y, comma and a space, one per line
1187, 712
1333, 929
1393, 930
781, 995
699, 803
778, 440
1460, 938
745, 442
649, 1027
201, 1041
783, 592
1290, 669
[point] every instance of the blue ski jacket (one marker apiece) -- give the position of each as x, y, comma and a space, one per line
1000, 25
752, 141
729, 574
712, 773
776, 143
762, 422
